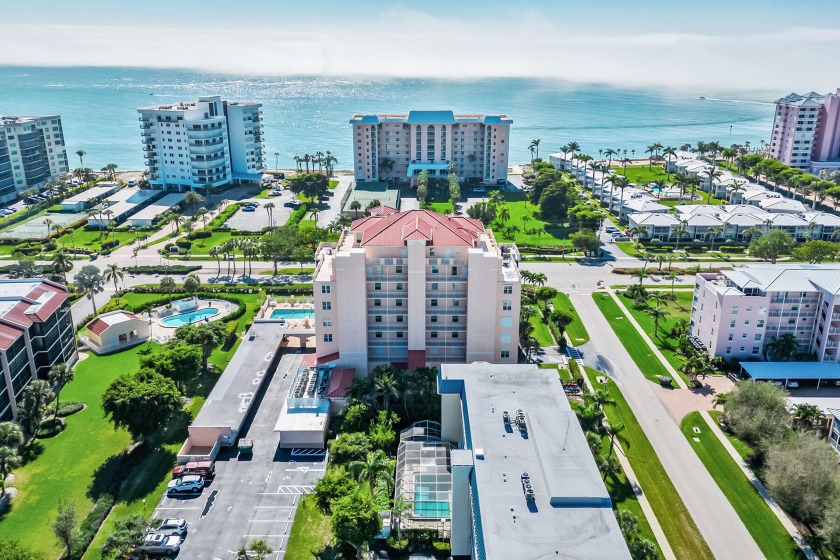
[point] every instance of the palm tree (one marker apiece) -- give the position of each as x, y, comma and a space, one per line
167, 284
641, 274
609, 466
62, 263
599, 399
9, 460
782, 348
60, 375
214, 252
573, 147
807, 414
669, 152
658, 298
712, 175
614, 433
81, 154
751, 232
713, 234
375, 466
535, 145
585, 158
89, 281
111, 169
672, 276
386, 385
10, 435
269, 208
680, 230
657, 315
504, 214
651, 150
48, 223
609, 152
355, 206
114, 274
621, 182
624, 162
177, 221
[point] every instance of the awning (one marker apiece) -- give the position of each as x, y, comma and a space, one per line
412, 167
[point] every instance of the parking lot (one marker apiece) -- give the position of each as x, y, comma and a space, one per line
252, 497
258, 219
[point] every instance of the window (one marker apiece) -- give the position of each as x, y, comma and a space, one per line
325, 288
434, 319
456, 303
755, 349
434, 269
326, 305
399, 303
505, 354
400, 334
456, 319
399, 270
505, 338
455, 335
434, 303
728, 349
757, 337
732, 324
378, 334
741, 349
507, 305
747, 322
743, 335
508, 289
507, 322
731, 336
399, 318
434, 286
760, 323
327, 322
377, 285
734, 309
377, 319
328, 337
377, 303
399, 287
433, 335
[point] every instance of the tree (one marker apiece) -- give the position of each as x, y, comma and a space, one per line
375, 466
10, 435
641, 274
628, 524
13, 550
608, 465
593, 440
60, 375
757, 413
89, 281
141, 403
32, 405
192, 283
9, 460
782, 348
807, 415
562, 319
454, 190
114, 274
310, 185
64, 524
586, 241
258, 547
127, 533
167, 284
25, 268
614, 431
483, 212
81, 154
816, 251
555, 202
62, 264
180, 362
349, 447
643, 549
207, 336
800, 473
332, 487
657, 315
355, 521
830, 521
771, 246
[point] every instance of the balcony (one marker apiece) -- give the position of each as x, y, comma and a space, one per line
387, 278
454, 294
387, 311
444, 343
387, 261
391, 327
388, 343
458, 327
431, 277
387, 295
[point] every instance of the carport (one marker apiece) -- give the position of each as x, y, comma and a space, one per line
792, 371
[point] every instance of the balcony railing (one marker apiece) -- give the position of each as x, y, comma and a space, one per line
402, 294
432, 327
439, 343
372, 327
387, 310
387, 278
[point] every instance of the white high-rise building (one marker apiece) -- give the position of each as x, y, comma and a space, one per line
190, 145
401, 146
32, 152
416, 289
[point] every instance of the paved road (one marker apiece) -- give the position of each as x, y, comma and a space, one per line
715, 518
250, 498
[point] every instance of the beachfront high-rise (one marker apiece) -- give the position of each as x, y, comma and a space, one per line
190, 145
416, 289
32, 152
806, 131
736, 313
400, 146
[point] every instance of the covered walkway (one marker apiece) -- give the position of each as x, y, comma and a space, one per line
784, 372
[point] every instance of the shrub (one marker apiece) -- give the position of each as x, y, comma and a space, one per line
50, 428
201, 234
111, 244
165, 269
69, 408
441, 548
224, 215
298, 214
398, 546
184, 244
90, 525
230, 332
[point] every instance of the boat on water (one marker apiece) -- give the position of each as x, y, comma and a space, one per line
701, 97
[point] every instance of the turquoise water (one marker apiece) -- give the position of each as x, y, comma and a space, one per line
425, 508
293, 314
304, 115
186, 318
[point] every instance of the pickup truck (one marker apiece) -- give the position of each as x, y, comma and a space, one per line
207, 469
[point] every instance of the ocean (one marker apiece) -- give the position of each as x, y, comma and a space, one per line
308, 114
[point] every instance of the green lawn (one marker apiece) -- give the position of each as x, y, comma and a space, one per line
332, 184
541, 332
94, 239
555, 235
640, 352
771, 537
311, 535
291, 270
641, 174
576, 331
203, 246
679, 309
677, 524
65, 467
440, 207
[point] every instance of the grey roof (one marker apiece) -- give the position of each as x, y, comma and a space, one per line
788, 277
812, 98
792, 370
431, 117
572, 515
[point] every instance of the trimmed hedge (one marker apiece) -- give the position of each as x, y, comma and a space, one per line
90, 525
224, 215
50, 428
69, 408
298, 214
166, 269
200, 234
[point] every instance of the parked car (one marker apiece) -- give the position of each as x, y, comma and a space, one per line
479, 190
173, 526
252, 203
207, 469
620, 238
793, 384
275, 192
290, 204
249, 209
155, 543
188, 483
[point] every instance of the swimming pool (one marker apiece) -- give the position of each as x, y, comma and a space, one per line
293, 314
192, 317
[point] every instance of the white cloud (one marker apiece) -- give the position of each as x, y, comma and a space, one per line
404, 42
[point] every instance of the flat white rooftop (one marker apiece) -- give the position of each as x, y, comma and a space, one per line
158, 207
100, 190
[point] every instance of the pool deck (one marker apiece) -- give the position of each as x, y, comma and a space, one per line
272, 305
225, 308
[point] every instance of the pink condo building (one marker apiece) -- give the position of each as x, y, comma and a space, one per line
416, 289
806, 131
735, 313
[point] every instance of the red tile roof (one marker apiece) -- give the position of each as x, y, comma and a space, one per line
8, 335
16, 319
340, 382
97, 327
382, 210
395, 229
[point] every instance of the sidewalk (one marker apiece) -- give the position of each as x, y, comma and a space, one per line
656, 352
768, 499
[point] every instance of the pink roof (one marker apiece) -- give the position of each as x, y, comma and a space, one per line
382, 210
340, 382
15, 320
8, 335
395, 229
98, 326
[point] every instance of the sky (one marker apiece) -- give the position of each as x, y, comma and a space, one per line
715, 44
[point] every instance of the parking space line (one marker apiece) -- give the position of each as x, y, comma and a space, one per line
162, 508
272, 507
